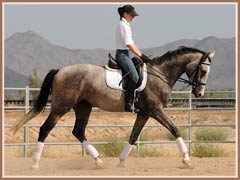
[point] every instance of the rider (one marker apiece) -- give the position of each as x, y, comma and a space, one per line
124, 44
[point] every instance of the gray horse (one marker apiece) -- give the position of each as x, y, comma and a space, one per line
83, 86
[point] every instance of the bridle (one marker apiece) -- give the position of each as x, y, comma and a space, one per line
195, 81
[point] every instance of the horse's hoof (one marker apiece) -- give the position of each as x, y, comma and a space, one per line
35, 165
121, 164
187, 163
99, 163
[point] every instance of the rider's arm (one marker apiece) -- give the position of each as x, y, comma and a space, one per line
135, 50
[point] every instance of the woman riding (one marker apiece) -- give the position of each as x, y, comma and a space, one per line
124, 44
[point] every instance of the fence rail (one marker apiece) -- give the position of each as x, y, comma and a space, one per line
26, 106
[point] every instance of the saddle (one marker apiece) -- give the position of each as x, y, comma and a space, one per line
116, 78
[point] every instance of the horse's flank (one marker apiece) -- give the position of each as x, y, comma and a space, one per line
87, 82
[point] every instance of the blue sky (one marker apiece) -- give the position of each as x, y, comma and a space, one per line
90, 26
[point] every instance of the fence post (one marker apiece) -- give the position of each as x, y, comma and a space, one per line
83, 151
26, 128
26, 99
190, 123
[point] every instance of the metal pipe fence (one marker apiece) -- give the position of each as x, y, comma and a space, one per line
26, 144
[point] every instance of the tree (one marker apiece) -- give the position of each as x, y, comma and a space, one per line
34, 82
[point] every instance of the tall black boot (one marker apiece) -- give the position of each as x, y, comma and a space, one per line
129, 98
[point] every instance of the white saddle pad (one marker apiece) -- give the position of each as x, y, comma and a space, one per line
114, 76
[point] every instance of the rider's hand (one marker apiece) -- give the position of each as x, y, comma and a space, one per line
137, 61
145, 59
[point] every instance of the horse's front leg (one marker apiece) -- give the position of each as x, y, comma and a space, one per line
137, 128
160, 116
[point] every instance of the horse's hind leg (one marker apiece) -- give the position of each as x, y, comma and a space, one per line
45, 129
82, 111
166, 122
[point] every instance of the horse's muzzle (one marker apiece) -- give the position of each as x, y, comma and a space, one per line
197, 94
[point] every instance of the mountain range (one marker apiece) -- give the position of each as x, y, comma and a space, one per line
26, 51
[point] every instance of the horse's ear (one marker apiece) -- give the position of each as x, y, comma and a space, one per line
212, 54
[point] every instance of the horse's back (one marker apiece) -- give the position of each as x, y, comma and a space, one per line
78, 68
76, 71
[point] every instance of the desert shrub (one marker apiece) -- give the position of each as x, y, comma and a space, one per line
207, 150
143, 136
211, 135
113, 149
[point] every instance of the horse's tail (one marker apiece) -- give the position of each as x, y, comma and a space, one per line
40, 103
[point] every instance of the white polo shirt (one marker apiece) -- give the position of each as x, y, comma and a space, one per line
123, 35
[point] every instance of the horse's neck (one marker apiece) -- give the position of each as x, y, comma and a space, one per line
174, 68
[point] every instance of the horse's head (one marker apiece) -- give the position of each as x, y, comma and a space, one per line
198, 73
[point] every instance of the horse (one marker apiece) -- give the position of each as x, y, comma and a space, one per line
83, 86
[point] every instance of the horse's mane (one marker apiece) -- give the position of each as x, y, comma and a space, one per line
171, 54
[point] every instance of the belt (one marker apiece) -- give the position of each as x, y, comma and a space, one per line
122, 50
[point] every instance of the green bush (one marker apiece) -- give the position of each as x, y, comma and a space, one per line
113, 149
211, 135
143, 136
207, 150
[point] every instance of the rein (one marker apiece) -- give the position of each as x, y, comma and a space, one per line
185, 81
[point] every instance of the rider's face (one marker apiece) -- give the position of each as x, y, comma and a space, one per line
128, 17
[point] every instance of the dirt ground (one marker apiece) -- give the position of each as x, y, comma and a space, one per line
159, 166
67, 160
